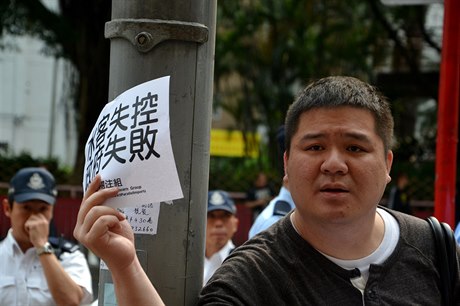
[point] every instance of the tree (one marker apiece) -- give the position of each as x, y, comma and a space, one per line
266, 50
75, 33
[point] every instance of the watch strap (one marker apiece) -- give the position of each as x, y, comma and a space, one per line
47, 248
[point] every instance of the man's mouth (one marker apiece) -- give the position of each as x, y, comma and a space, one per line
333, 189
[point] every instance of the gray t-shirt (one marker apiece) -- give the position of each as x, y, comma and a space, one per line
278, 267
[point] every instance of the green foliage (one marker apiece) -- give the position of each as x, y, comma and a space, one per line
267, 50
238, 174
9, 165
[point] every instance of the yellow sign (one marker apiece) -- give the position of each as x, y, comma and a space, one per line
231, 144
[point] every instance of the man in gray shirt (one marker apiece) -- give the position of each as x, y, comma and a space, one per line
338, 247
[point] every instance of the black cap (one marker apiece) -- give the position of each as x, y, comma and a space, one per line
220, 200
32, 184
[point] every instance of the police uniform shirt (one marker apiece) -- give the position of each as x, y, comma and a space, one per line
215, 261
22, 279
268, 216
457, 233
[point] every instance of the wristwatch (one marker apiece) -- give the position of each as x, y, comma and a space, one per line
45, 249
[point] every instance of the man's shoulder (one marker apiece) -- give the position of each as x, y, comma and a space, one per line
264, 220
7, 243
275, 210
277, 206
63, 246
406, 219
3, 246
281, 208
414, 230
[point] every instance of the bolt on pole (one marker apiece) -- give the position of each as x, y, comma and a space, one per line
176, 38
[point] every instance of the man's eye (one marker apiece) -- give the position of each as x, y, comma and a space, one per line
355, 149
314, 148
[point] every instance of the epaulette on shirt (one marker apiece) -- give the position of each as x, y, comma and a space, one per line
61, 245
281, 208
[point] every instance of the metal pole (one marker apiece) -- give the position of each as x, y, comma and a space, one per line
152, 39
447, 138
53, 109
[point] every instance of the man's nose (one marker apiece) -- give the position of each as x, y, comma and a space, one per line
334, 162
218, 221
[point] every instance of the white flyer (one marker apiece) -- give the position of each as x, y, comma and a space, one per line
130, 146
143, 219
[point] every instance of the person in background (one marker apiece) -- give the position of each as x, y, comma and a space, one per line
399, 195
281, 205
35, 271
337, 247
259, 195
221, 225
457, 227
457, 233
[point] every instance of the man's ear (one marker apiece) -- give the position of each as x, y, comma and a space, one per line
389, 162
237, 223
6, 208
285, 177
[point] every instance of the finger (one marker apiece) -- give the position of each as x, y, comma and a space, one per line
102, 226
29, 222
93, 197
38, 217
94, 237
93, 186
103, 230
93, 215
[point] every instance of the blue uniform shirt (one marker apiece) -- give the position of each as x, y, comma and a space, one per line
267, 217
457, 233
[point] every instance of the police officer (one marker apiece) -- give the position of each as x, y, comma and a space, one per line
221, 225
280, 206
34, 271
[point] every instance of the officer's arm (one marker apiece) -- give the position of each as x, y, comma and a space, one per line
62, 287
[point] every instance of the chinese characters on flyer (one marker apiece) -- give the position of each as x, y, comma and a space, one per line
130, 147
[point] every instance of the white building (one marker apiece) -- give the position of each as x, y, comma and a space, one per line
36, 114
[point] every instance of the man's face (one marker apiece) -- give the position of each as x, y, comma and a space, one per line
21, 212
220, 228
337, 169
